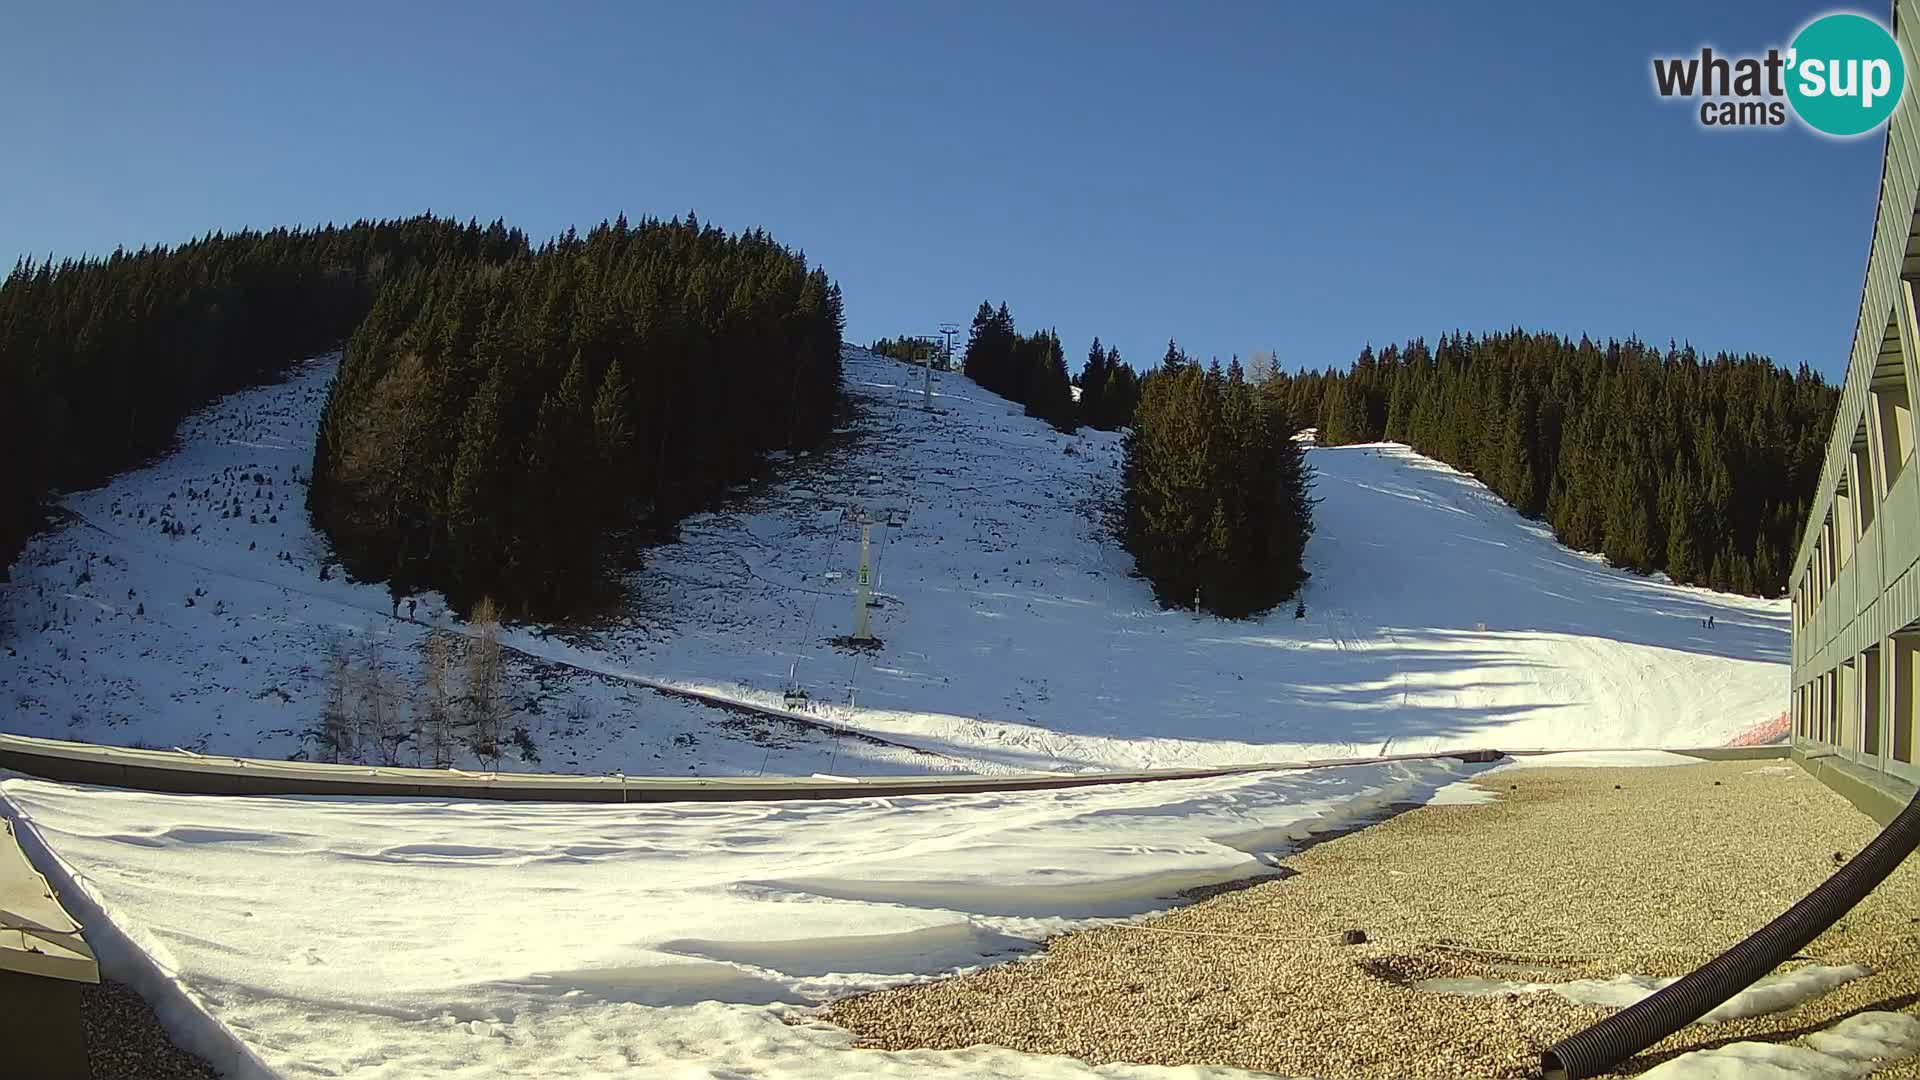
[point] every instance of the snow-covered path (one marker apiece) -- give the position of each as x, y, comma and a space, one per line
374, 938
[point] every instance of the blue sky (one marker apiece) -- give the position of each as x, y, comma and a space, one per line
1308, 177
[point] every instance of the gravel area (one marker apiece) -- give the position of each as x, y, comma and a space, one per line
1573, 873
125, 1040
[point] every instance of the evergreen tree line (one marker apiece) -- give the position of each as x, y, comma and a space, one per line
100, 358
496, 425
1031, 369
1658, 459
1217, 507
908, 350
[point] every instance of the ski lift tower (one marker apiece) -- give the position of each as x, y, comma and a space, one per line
926, 387
947, 330
863, 584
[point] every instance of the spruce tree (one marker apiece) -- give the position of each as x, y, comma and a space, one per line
1049, 395
1093, 386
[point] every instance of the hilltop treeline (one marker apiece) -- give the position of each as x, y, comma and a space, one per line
1032, 369
494, 423
101, 357
1216, 507
1658, 459
910, 350
1109, 390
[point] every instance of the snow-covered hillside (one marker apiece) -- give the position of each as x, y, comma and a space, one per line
1014, 635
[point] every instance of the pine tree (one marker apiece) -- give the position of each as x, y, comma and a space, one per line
1049, 395
1175, 359
477, 514
1093, 386
1121, 396
1216, 499
1682, 563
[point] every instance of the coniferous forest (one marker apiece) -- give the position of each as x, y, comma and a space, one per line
101, 357
495, 424
1658, 459
908, 350
1216, 510
504, 413
1032, 369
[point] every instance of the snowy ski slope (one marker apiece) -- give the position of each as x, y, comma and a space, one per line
1437, 617
1015, 637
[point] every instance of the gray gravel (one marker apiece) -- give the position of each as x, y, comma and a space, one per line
1567, 876
125, 1040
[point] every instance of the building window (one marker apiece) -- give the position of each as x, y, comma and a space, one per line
1831, 736
1843, 527
1896, 427
1900, 700
1870, 703
1847, 716
1862, 483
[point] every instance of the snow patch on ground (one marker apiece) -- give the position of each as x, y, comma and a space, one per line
1856, 1046
419, 938
1462, 793
1771, 994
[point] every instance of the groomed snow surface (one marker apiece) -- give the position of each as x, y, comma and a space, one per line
1015, 638
301, 937
378, 938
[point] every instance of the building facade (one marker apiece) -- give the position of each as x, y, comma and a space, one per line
1855, 583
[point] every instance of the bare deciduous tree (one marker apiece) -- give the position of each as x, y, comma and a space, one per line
335, 740
433, 716
1262, 364
381, 711
486, 702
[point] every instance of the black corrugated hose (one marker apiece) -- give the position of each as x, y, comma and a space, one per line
1633, 1029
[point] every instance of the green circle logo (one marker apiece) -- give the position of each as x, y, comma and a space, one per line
1845, 74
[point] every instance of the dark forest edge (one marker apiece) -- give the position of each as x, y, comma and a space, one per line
1660, 460
1031, 369
501, 412
504, 413
496, 426
1215, 504
100, 358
